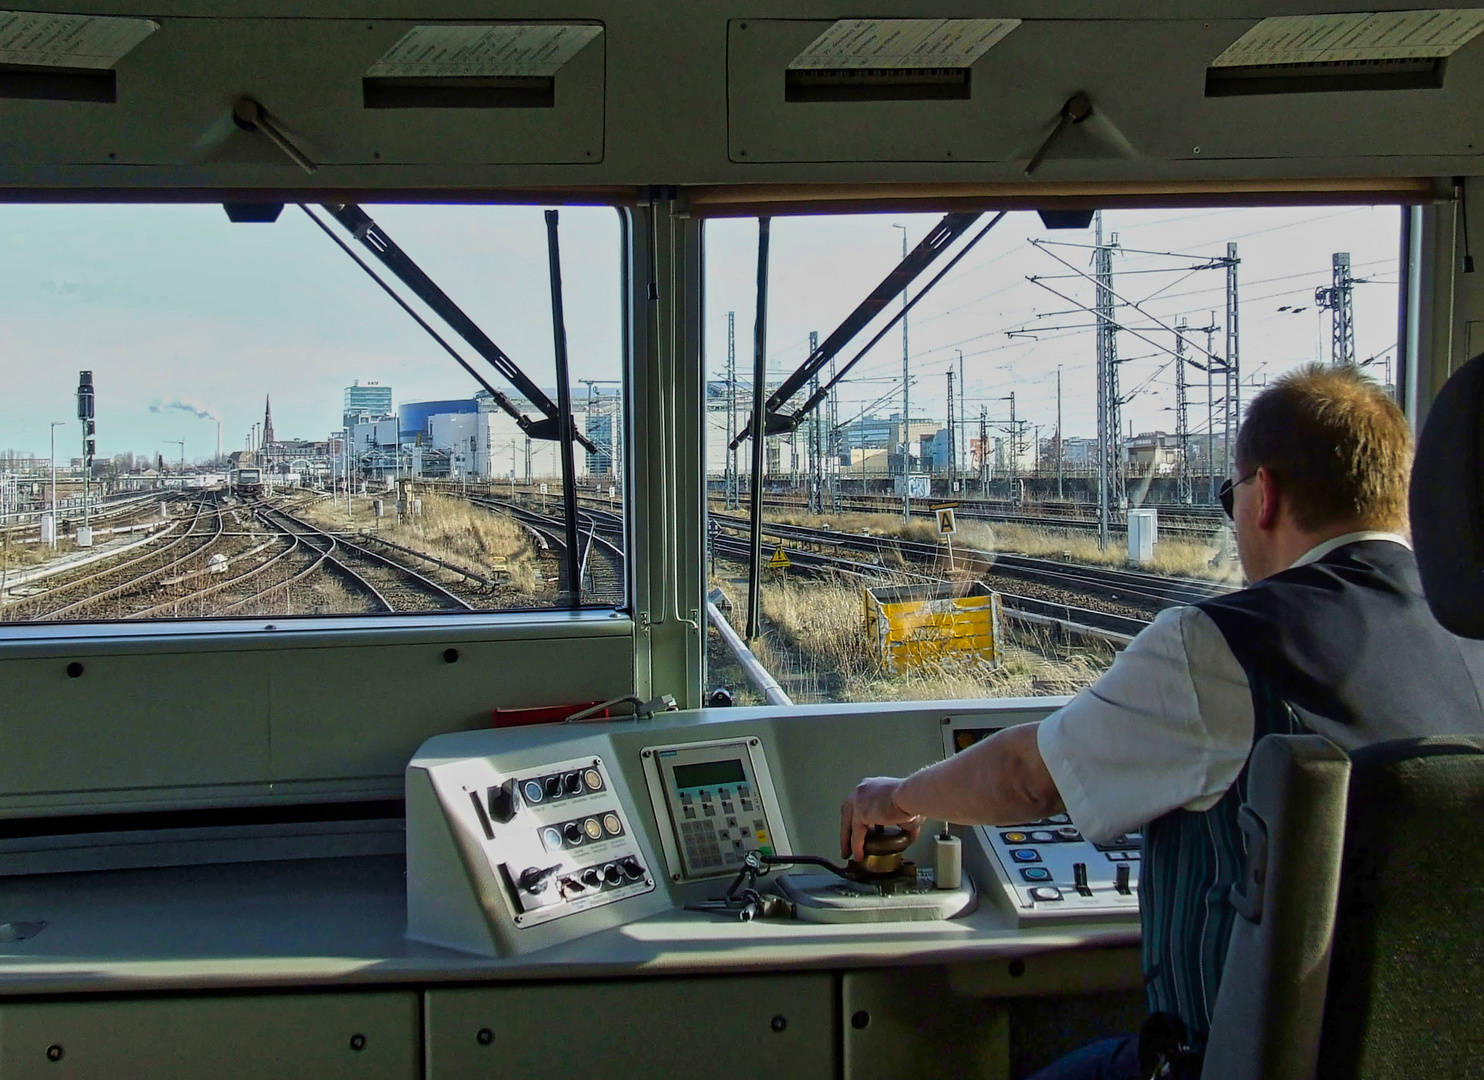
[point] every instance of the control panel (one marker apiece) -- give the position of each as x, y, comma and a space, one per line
1047, 869
719, 802
543, 844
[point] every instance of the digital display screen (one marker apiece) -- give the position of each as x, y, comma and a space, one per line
710, 774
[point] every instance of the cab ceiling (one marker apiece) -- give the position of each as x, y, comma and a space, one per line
692, 93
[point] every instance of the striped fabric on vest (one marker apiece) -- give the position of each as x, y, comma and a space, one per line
1191, 860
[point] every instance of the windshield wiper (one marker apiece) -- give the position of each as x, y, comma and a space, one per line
361, 226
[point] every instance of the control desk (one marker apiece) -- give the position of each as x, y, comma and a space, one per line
518, 840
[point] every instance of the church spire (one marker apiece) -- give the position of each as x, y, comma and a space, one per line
267, 421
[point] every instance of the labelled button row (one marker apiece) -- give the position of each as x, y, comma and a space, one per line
578, 831
561, 785
1063, 834
614, 875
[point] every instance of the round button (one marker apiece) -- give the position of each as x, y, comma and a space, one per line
593, 779
1060, 819
1068, 832
593, 829
1046, 892
1025, 855
1036, 873
573, 832
1041, 836
553, 787
612, 824
533, 791
1013, 837
552, 838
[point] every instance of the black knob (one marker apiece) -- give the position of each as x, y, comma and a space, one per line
591, 878
1121, 879
573, 832
612, 874
572, 783
1079, 878
631, 868
534, 879
553, 787
503, 802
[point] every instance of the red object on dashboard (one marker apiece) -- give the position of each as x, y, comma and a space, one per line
543, 714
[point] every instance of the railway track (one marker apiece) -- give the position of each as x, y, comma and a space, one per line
386, 583
89, 591
1117, 627
1138, 592
601, 556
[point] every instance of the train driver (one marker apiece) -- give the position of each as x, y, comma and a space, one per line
1331, 636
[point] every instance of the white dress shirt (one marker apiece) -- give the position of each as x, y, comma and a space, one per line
1168, 725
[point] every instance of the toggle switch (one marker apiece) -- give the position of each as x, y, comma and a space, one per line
1079, 878
534, 879
1121, 879
504, 803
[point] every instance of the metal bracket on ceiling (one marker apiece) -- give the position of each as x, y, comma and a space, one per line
249, 115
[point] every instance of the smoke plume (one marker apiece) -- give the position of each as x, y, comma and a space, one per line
190, 405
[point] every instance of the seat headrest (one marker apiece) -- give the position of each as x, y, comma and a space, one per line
1447, 502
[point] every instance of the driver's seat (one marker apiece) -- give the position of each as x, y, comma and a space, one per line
1360, 947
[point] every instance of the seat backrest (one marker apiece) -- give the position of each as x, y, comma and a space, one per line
1269, 1010
1447, 502
1406, 987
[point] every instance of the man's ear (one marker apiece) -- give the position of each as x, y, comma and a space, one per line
1267, 507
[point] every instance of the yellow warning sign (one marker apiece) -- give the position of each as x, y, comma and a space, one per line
947, 526
779, 559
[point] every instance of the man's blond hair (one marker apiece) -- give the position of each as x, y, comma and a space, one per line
1337, 445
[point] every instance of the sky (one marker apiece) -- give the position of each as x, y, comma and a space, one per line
178, 311
820, 268
177, 304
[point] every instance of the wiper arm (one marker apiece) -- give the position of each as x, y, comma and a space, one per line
361, 226
917, 260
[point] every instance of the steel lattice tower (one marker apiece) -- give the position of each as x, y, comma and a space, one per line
1182, 416
1339, 300
1232, 405
733, 486
1111, 492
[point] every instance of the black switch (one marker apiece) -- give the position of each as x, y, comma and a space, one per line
503, 801
553, 787
534, 879
1079, 878
591, 878
612, 875
631, 868
1120, 879
573, 832
572, 783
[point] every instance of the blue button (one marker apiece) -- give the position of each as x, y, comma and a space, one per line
1036, 873
533, 791
1025, 854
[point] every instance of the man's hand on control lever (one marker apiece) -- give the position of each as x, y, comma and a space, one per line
1001, 780
873, 802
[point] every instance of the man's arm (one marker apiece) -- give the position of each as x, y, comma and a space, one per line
1001, 780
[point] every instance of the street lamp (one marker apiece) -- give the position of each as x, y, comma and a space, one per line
55, 424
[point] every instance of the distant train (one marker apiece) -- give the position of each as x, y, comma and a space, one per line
247, 483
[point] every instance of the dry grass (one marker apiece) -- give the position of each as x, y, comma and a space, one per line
457, 532
815, 643
1176, 558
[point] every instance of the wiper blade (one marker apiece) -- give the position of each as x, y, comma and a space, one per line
361, 226
907, 271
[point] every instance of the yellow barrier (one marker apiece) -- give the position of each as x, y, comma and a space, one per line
917, 625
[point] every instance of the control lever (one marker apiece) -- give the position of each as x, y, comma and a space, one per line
1121, 879
1079, 878
534, 879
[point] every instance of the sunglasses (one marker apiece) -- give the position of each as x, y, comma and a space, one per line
1228, 487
